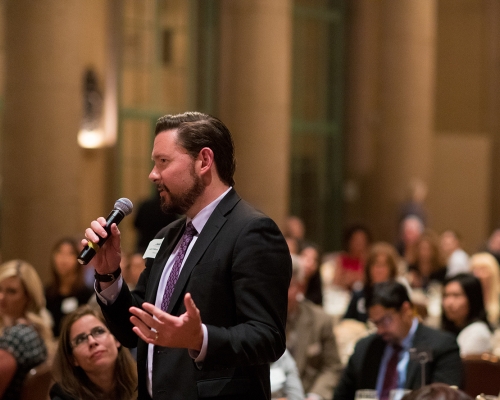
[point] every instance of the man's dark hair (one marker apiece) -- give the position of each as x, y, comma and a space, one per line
195, 131
389, 294
474, 293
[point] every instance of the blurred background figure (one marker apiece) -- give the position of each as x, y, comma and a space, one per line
285, 379
415, 203
485, 267
148, 221
428, 265
464, 314
457, 260
310, 257
295, 228
132, 269
350, 263
493, 244
90, 363
437, 391
25, 334
410, 230
381, 266
67, 290
310, 340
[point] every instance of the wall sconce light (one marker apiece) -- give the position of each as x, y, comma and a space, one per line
91, 134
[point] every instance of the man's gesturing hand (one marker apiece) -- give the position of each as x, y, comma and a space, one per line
155, 326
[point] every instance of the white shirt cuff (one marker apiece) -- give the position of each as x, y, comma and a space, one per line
199, 356
109, 295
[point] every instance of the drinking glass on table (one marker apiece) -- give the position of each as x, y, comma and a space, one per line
398, 394
366, 394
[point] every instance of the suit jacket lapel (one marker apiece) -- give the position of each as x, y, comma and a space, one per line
169, 242
205, 237
371, 366
413, 369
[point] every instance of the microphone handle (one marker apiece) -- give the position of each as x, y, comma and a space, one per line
89, 251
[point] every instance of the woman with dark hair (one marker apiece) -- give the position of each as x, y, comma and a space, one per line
313, 286
90, 363
464, 314
67, 290
381, 266
350, 263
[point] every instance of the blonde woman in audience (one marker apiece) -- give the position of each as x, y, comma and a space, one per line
485, 267
25, 334
90, 363
464, 314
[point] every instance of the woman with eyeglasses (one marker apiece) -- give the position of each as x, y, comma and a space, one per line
25, 334
90, 363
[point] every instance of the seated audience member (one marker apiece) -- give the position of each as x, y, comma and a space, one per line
310, 340
484, 266
25, 334
285, 379
313, 285
493, 244
132, 270
90, 363
293, 245
382, 361
411, 229
457, 260
437, 391
428, 266
381, 266
350, 263
464, 314
67, 290
294, 227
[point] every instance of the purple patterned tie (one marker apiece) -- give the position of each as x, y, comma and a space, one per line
174, 273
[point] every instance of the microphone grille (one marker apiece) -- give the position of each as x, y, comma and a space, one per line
124, 205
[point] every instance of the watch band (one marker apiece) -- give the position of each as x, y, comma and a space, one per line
107, 277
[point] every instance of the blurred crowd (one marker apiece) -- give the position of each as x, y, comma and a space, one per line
332, 313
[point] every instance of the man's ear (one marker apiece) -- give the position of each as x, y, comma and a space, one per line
205, 159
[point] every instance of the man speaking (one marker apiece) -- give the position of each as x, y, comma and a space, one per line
208, 313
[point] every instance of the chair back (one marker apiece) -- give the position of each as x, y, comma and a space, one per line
481, 374
37, 383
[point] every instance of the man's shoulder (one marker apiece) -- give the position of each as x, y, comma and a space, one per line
434, 337
315, 310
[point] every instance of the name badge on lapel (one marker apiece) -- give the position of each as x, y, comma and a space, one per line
153, 248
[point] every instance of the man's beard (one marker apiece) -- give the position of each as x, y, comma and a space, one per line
180, 204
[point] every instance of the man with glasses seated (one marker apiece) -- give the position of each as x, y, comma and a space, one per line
395, 356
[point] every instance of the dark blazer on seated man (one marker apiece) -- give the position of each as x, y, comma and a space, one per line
401, 337
219, 325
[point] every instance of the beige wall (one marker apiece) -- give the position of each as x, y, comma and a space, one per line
459, 192
254, 99
47, 181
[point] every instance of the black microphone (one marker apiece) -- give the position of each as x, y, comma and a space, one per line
123, 207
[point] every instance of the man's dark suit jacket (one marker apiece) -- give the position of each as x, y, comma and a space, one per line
362, 369
238, 273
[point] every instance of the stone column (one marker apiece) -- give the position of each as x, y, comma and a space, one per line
254, 102
47, 50
399, 130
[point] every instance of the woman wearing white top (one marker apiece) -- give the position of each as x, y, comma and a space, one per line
464, 314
